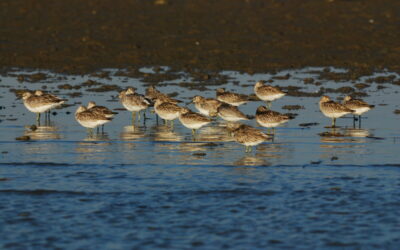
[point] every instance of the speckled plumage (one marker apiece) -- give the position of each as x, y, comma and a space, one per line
206, 106
359, 106
333, 109
230, 113
270, 119
267, 93
247, 135
193, 120
166, 110
40, 103
90, 119
230, 98
133, 101
100, 109
153, 94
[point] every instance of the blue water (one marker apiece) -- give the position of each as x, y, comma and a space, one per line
154, 206
152, 187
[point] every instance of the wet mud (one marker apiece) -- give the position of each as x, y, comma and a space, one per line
248, 36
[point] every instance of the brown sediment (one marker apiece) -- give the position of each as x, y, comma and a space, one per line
23, 138
68, 86
361, 85
308, 124
248, 36
295, 91
292, 107
106, 88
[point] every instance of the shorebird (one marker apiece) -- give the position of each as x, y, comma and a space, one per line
133, 102
359, 107
230, 98
267, 93
40, 103
90, 119
333, 109
48, 95
167, 110
247, 135
270, 119
101, 110
153, 94
206, 106
193, 120
230, 113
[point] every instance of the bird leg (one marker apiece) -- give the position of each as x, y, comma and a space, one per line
133, 118
333, 122
90, 131
38, 118
138, 116
194, 134
359, 121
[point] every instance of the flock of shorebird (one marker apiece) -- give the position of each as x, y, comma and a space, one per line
225, 105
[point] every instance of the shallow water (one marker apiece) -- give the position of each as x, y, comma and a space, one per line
151, 186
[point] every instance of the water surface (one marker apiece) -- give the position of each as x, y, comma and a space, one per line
151, 186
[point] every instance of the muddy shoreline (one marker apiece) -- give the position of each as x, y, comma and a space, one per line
247, 36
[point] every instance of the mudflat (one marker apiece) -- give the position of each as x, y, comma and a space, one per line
249, 36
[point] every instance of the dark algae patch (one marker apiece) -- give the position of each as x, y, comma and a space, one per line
246, 36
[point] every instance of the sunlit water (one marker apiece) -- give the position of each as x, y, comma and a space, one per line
151, 186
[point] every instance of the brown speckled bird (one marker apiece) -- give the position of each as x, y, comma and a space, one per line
168, 111
359, 106
153, 94
270, 119
90, 119
333, 109
206, 106
133, 102
40, 102
247, 135
100, 110
193, 120
231, 98
267, 93
230, 113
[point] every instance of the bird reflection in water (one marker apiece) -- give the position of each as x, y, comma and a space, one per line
133, 133
213, 134
164, 133
42, 133
357, 132
93, 143
252, 161
272, 151
345, 141
48, 132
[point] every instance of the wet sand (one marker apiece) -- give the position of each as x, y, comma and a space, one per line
247, 36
